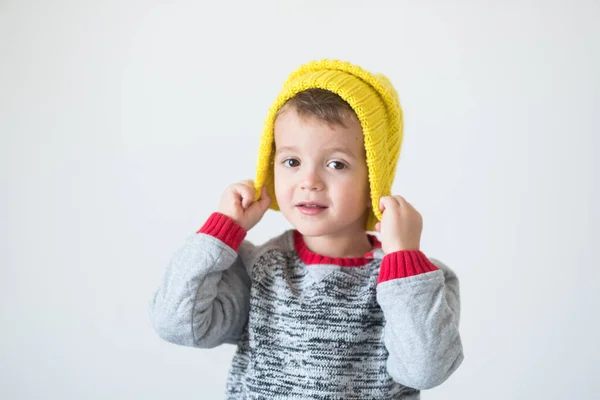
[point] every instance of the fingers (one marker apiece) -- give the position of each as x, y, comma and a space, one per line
388, 202
265, 200
400, 200
245, 191
404, 204
392, 201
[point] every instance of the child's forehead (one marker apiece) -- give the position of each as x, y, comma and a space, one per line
339, 138
293, 128
312, 143
319, 137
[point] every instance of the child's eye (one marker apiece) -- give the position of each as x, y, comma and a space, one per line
337, 165
291, 162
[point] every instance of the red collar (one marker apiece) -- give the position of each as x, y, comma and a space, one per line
308, 257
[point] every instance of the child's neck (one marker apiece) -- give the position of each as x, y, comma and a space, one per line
345, 245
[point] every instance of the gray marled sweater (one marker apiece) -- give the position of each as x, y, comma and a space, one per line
308, 326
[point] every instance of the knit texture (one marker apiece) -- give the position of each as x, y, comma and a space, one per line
375, 102
312, 331
313, 335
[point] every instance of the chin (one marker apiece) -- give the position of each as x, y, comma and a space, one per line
311, 232
311, 228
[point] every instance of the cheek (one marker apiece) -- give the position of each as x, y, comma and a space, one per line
282, 191
366, 188
358, 192
367, 194
350, 193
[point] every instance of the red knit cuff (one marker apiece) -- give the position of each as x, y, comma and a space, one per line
225, 229
402, 264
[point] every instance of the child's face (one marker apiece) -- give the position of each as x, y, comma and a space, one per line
324, 166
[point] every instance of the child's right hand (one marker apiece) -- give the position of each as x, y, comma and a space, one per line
238, 204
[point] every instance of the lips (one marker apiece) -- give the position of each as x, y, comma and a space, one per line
311, 208
311, 204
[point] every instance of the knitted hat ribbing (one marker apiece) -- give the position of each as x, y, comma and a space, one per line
375, 102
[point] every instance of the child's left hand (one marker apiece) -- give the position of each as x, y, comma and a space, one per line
401, 225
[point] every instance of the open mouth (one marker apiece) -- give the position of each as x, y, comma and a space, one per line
311, 208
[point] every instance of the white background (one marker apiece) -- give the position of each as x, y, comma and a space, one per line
122, 122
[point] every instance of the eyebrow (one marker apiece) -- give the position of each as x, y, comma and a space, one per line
284, 149
343, 150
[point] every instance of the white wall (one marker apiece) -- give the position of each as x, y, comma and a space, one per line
117, 127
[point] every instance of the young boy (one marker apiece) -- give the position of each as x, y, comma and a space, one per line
326, 310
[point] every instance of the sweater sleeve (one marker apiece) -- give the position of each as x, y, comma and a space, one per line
204, 297
421, 305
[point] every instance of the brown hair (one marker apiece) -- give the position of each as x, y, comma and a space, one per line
322, 104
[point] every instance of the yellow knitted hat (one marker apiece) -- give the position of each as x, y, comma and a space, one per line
375, 102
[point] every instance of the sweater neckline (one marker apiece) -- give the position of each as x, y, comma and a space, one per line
310, 258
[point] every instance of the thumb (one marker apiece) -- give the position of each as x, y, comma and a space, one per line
263, 203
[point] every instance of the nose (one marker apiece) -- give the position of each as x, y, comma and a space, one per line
311, 180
